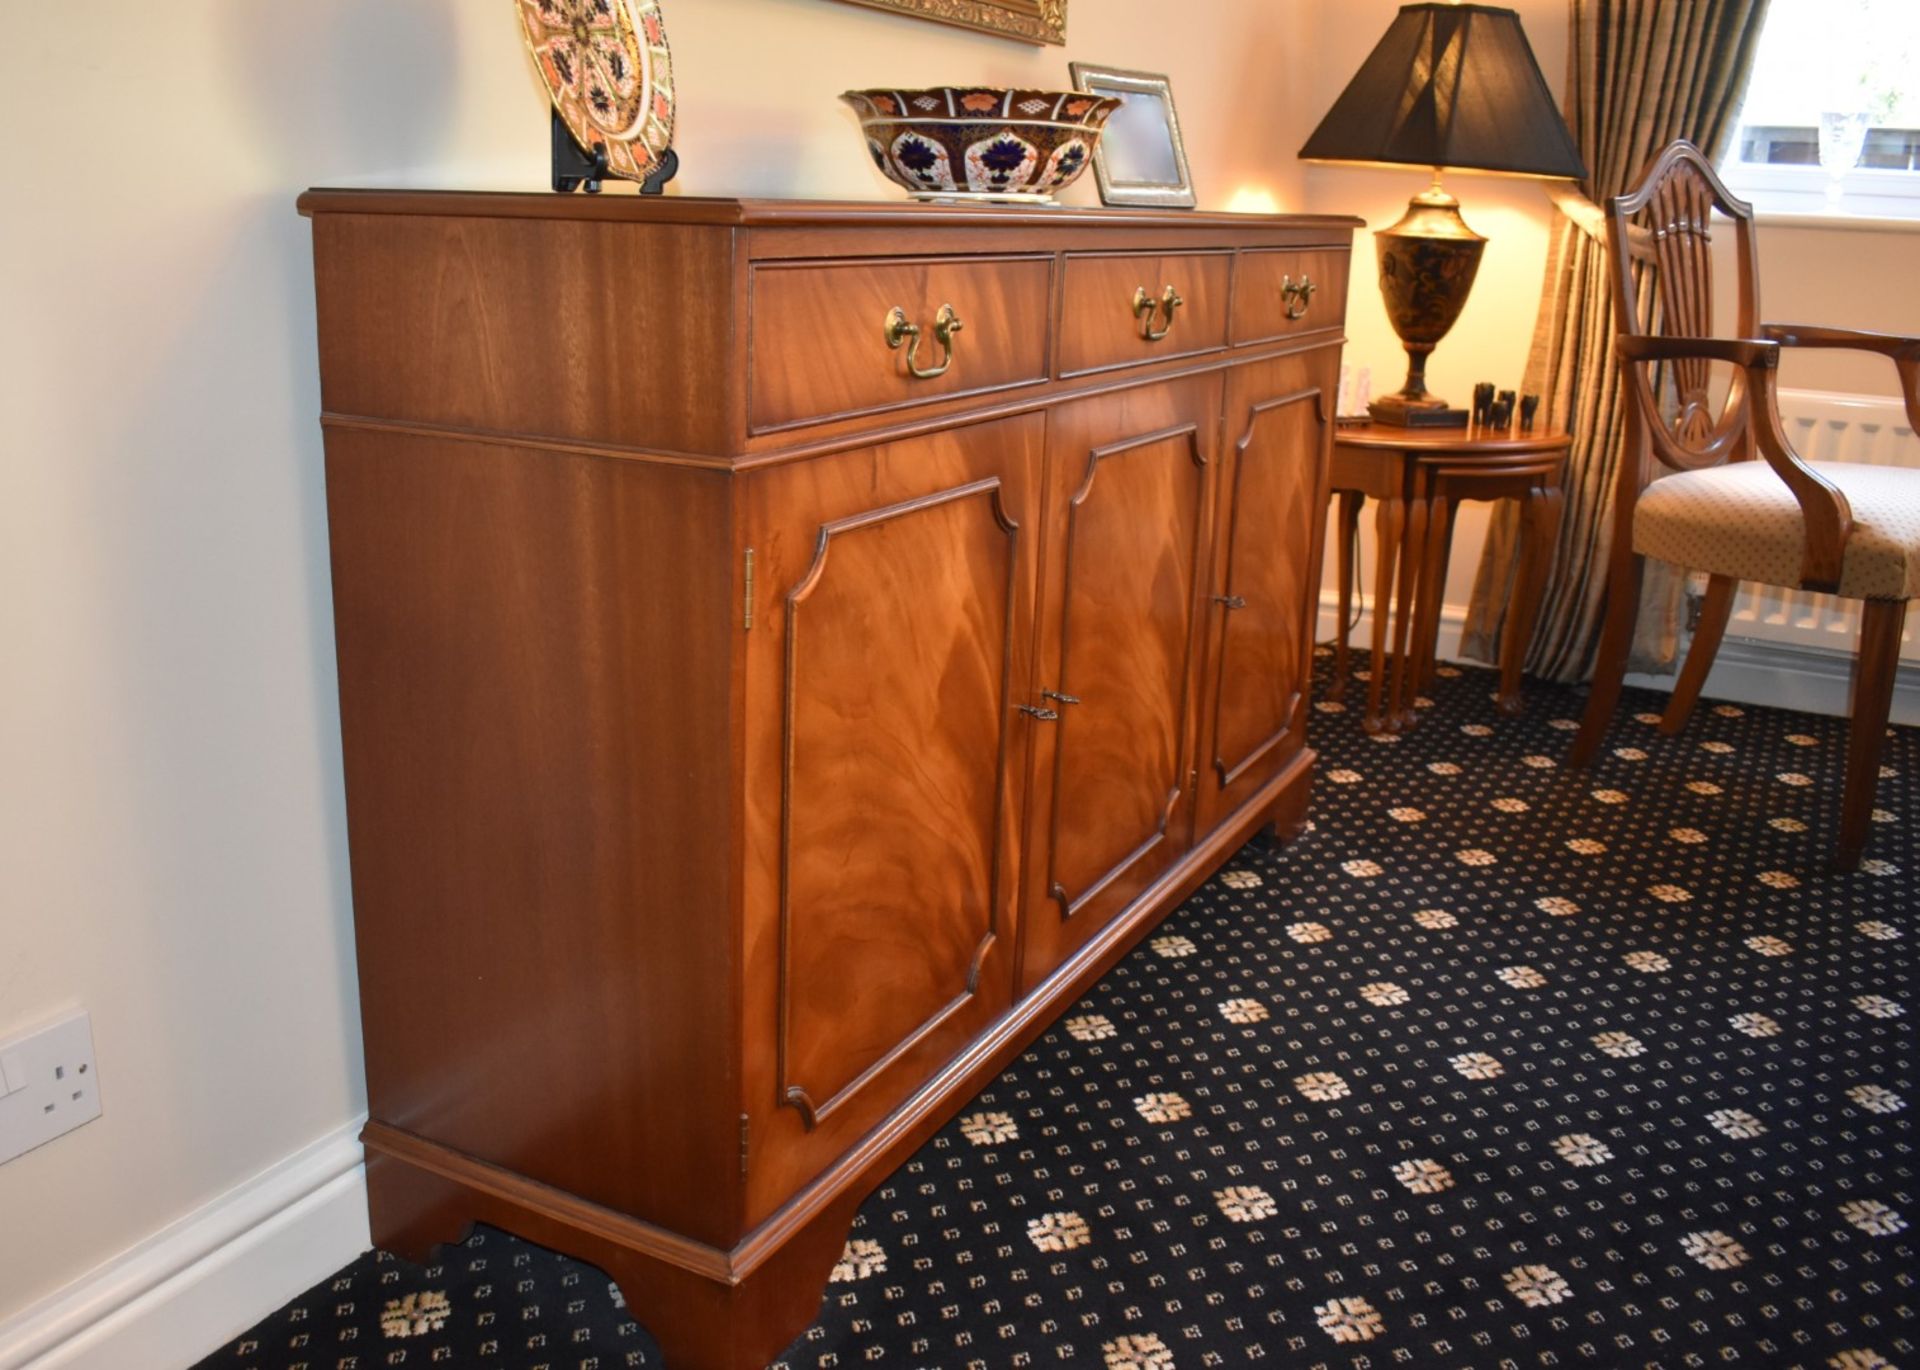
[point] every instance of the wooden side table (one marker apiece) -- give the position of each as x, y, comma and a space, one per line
1418, 478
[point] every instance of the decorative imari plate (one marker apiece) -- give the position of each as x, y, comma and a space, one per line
606, 67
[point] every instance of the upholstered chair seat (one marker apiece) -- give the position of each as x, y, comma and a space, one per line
1741, 520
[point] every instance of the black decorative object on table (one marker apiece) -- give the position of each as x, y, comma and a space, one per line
1500, 413
1529, 406
1482, 403
1448, 993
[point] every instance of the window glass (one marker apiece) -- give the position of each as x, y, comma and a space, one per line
1831, 123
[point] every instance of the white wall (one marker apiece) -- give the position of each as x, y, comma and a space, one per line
171, 815
1858, 277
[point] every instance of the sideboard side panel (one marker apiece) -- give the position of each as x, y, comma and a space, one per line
533, 650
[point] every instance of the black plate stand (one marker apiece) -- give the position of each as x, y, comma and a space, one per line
575, 169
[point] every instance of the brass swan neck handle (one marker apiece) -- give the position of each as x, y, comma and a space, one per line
1297, 296
899, 330
1146, 308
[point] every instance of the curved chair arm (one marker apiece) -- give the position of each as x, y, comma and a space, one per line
1828, 516
1905, 352
1645, 347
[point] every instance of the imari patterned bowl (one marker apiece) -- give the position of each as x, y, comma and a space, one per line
981, 142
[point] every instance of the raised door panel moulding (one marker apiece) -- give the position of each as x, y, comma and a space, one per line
927, 585
1271, 488
1126, 641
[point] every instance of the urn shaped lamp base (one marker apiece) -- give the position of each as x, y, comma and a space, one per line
1427, 264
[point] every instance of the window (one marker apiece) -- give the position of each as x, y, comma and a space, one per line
1846, 74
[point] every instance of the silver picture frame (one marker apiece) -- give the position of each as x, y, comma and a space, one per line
1141, 158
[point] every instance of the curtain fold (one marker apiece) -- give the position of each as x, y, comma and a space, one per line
1641, 73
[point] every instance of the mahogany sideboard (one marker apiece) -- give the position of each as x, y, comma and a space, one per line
787, 652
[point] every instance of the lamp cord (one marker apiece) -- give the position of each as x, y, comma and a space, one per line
1353, 554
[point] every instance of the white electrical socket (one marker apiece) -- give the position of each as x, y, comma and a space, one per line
49, 1085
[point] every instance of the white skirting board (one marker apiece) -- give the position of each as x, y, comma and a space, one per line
182, 1293
1816, 681
1745, 670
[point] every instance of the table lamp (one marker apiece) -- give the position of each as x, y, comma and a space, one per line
1449, 86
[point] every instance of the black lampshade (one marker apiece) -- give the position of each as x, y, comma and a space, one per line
1450, 86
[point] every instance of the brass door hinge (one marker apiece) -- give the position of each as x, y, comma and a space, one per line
744, 1125
746, 615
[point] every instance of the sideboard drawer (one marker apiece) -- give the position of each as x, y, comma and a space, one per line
1289, 291
1113, 311
821, 347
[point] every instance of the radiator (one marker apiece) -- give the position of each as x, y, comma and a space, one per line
1828, 426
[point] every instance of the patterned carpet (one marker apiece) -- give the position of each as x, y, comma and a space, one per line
1500, 1065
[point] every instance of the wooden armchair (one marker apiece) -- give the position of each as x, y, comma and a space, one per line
1846, 529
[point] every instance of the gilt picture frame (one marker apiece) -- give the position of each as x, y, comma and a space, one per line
1141, 158
1030, 21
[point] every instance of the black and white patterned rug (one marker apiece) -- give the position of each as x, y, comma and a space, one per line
1501, 1064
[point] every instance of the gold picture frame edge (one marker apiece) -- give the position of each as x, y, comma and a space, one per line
1137, 194
985, 16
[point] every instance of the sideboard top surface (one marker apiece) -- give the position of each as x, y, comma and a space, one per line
765, 213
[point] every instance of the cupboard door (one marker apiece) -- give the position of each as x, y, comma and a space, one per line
892, 599
1266, 574
1129, 479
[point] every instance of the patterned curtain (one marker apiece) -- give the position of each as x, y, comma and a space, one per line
1641, 74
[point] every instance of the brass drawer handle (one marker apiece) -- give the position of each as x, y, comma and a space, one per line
1231, 601
1145, 307
1043, 715
1297, 295
1059, 698
945, 324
